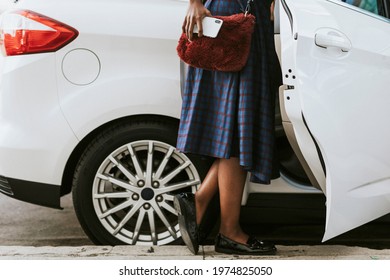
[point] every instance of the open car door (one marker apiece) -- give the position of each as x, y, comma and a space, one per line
335, 61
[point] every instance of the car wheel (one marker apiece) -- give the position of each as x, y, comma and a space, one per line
125, 181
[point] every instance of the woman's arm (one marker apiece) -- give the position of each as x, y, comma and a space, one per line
195, 14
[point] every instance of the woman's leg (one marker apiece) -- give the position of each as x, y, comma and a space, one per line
191, 209
229, 177
207, 190
231, 180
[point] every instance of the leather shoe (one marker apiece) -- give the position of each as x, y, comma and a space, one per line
252, 247
194, 235
184, 204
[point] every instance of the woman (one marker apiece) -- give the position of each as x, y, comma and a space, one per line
228, 116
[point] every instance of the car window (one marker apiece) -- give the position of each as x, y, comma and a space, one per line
368, 5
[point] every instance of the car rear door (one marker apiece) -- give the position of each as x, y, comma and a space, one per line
335, 58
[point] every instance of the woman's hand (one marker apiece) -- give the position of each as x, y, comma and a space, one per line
195, 14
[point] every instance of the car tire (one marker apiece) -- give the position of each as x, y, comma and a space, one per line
125, 180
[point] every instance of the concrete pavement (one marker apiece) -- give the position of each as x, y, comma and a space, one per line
319, 252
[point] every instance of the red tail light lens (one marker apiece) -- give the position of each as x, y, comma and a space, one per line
27, 32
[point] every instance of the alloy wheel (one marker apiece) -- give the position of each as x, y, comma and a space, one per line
133, 191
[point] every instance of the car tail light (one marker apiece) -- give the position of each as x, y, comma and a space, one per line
27, 32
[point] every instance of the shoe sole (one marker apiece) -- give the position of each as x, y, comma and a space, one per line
231, 252
181, 214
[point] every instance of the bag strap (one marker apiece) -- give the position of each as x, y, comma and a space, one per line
248, 7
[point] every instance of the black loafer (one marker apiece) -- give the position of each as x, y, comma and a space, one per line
193, 234
184, 204
253, 246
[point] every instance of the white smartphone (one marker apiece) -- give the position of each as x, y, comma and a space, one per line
211, 26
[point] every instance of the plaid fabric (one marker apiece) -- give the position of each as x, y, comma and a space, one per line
226, 114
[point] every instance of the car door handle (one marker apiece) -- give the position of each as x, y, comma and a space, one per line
331, 38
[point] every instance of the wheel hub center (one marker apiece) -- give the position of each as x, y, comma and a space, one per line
147, 194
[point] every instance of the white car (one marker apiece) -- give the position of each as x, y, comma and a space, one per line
90, 102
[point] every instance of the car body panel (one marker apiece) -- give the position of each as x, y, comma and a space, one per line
32, 124
140, 70
337, 103
151, 85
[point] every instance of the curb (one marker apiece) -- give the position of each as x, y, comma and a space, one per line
326, 252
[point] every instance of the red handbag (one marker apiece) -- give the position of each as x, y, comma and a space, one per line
228, 52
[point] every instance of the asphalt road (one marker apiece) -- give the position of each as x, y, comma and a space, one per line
24, 224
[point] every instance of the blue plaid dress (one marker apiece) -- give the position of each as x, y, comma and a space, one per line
231, 114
